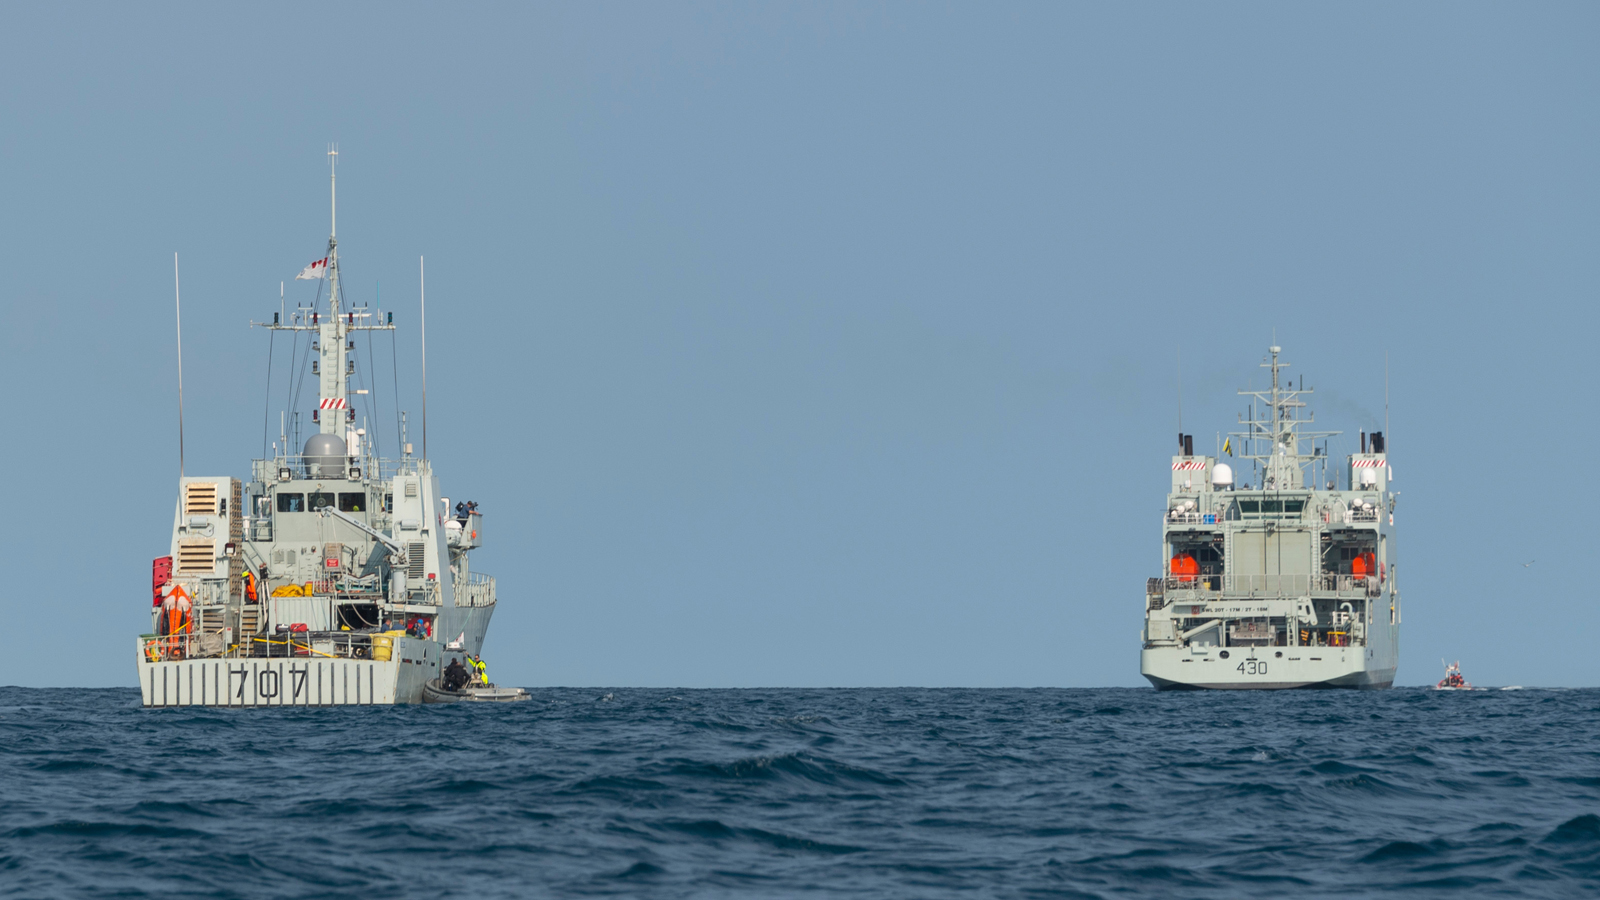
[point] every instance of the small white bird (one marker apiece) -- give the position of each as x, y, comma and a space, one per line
1529, 563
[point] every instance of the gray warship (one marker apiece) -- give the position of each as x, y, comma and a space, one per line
332, 576
1285, 582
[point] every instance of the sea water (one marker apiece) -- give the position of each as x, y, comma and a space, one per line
824, 793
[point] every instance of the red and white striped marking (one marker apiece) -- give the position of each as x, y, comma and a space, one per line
1188, 465
333, 404
1369, 463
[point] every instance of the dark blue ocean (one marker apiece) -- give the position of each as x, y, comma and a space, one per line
823, 793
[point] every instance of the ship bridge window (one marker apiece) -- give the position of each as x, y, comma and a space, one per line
352, 502
1271, 507
291, 502
321, 500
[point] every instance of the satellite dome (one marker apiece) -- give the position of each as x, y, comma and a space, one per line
325, 456
1221, 475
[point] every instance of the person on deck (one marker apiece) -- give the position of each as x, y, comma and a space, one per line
455, 676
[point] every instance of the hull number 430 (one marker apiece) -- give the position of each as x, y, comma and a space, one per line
1252, 667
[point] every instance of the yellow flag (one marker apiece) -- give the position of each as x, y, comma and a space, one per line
1227, 446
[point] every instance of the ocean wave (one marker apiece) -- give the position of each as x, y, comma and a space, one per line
807, 767
871, 793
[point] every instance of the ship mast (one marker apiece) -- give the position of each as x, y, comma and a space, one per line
333, 364
332, 343
1280, 430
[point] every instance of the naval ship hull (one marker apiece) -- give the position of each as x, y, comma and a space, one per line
1370, 667
309, 680
295, 681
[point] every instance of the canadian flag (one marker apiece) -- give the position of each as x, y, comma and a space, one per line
313, 271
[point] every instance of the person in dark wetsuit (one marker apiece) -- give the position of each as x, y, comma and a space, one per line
455, 676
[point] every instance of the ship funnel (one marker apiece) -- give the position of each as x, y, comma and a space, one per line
325, 456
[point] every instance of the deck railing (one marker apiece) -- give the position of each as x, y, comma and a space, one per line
305, 467
1281, 585
476, 590
213, 645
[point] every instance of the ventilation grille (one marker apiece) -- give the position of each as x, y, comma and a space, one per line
196, 556
200, 499
411, 488
416, 566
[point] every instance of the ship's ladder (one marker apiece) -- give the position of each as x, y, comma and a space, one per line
249, 618
1227, 558
211, 619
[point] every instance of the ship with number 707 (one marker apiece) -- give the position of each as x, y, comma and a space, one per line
333, 575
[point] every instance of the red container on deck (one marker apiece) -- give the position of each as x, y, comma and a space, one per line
160, 574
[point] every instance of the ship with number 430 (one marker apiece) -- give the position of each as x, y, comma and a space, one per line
332, 576
1286, 580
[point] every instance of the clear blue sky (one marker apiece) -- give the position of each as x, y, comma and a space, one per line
818, 344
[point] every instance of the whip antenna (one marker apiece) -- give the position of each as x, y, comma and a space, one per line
177, 300
422, 281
